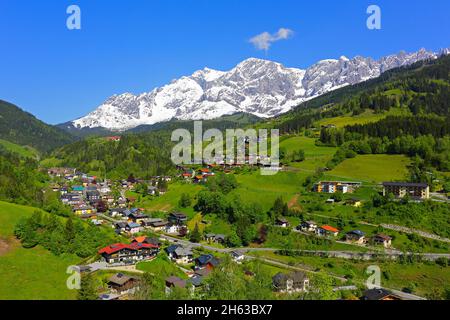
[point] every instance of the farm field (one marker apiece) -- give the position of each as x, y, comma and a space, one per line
29, 273
373, 168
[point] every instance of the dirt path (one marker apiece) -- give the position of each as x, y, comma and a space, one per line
7, 245
293, 203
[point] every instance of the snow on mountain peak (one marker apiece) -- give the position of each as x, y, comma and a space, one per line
260, 87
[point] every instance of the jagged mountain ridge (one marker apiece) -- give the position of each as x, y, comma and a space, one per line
259, 87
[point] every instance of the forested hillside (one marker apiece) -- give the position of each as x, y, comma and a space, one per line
20, 180
24, 129
143, 155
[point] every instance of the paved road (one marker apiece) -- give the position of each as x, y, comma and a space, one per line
331, 253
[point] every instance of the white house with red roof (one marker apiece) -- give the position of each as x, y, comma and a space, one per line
327, 231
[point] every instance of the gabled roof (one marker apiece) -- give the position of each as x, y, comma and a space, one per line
280, 279
175, 282
120, 279
120, 246
204, 259
383, 236
377, 294
139, 239
329, 228
172, 248
133, 225
357, 232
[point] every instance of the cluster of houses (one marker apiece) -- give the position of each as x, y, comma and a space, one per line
133, 221
354, 236
198, 176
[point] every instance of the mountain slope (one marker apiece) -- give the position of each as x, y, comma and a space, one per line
421, 89
259, 87
22, 128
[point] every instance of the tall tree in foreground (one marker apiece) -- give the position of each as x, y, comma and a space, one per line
87, 288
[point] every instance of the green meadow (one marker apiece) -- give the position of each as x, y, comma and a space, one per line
315, 156
255, 187
29, 273
373, 168
367, 116
24, 151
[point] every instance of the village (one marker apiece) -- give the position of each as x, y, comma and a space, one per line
104, 203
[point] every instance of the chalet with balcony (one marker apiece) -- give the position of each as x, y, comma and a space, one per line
128, 253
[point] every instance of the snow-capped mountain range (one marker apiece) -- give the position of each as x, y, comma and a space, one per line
259, 87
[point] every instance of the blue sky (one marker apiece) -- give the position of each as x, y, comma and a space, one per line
137, 45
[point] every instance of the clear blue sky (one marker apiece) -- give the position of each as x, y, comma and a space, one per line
137, 45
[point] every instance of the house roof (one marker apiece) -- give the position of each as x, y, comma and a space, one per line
376, 294
281, 278
133, 225
329, 228
159, 223
357, 232
120, 224
172, 248
120, 246
183, 252
196, 280
204, 259
203, 272
405, 184
139, 239
119, 279
178, 214
175, 282
383, 236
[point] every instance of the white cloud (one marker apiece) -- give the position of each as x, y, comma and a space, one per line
264, 40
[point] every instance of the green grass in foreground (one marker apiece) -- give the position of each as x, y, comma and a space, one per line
373, 168
34, 274
31, 274
10, 214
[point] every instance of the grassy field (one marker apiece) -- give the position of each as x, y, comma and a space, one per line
265, 189
24, 151
29, 273
10, 214
169, 201
161, 266
34, 274
373, 168
315, 156
367, 116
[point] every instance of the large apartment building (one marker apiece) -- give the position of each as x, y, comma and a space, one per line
336, 186
401, 189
